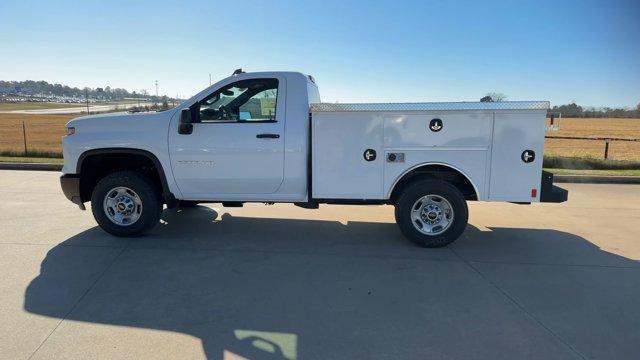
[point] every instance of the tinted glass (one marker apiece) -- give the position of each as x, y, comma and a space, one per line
242, 101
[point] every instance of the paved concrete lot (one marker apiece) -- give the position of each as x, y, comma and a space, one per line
279, 282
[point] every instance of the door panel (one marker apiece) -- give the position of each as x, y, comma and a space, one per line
230, 157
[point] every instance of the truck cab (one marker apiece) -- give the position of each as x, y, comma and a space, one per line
266, 137
248, 139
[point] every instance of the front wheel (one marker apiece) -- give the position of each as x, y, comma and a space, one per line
432, 213
126, 203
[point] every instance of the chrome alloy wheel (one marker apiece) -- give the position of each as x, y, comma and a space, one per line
122, 206
432, 215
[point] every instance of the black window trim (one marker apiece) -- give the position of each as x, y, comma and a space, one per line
237, 122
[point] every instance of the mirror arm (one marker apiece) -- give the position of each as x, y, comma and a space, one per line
185, 127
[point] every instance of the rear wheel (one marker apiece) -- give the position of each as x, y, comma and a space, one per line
126, 203
432, 213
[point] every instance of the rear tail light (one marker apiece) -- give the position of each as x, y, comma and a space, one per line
534, 193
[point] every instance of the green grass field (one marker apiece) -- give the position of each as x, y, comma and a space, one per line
627, 172
22, 159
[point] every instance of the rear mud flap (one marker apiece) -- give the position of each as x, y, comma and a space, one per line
551, 193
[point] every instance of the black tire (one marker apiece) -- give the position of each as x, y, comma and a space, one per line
149, 195
413, 193
187, 204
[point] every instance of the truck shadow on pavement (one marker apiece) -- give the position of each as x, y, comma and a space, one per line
288, 288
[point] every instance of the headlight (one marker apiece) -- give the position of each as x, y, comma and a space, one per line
71, 130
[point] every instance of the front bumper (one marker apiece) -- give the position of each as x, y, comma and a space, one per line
70, 184
550, 192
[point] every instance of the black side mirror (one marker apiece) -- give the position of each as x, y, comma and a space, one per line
185, 127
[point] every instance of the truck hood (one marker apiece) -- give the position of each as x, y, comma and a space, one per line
137, 130
111, 120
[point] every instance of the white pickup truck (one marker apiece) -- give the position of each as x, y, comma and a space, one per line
266, 137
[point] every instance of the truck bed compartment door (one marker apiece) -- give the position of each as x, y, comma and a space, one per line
347, 155
516, 156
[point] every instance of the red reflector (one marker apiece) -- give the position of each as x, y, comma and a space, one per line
534, 193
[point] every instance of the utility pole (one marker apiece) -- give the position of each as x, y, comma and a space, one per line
156, 88
24, 137
209, 79
86, 96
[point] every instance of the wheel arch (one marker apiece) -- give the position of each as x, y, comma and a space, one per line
103, 153
439, 170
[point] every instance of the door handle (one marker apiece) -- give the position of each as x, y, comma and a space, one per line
268, 136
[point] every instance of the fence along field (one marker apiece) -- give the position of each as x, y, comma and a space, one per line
43, 133
595, 128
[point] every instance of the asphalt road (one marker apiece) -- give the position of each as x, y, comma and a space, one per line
72, 110
278, 282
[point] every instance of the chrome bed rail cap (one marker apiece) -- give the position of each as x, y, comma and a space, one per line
431, 106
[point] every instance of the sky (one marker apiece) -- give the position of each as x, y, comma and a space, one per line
586, 52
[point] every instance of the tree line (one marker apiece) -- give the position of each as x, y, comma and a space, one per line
34, 88
575, 110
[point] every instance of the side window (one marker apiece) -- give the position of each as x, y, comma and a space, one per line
242, 101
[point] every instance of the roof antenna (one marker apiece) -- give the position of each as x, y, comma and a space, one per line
238, 71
